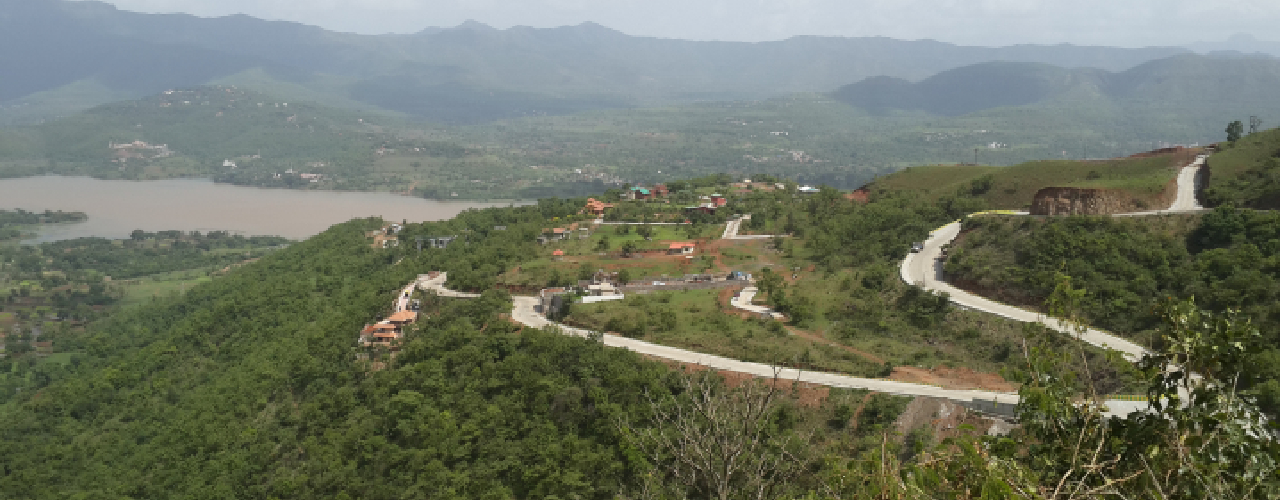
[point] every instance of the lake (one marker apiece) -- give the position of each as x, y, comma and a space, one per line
116, 208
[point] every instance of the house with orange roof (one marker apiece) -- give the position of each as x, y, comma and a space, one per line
681, 248
596, 207
403, 318
384, 333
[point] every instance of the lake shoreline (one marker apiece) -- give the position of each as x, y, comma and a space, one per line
304, 190
117, 207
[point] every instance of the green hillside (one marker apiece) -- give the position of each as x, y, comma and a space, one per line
253, 385
1014, 187
470, 73
1224, 259
1246, 173
1188, 81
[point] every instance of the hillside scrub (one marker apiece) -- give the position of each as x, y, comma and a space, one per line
252, 385
1014, 187
1246, 173
1224, 259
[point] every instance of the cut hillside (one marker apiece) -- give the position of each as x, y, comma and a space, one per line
1145, 179
1246, 173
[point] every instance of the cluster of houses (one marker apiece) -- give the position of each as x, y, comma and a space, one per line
385, 237
643, 193
123, 152
635, 193
708, 204
564, 233
302, 175
596, 207
388, 332
552, 300
41, 348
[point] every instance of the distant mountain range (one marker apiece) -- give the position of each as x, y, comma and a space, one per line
62, 56
1238, 84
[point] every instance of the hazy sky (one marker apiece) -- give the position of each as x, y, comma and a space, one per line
976, 22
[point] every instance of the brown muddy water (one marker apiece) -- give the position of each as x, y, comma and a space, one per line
116, 208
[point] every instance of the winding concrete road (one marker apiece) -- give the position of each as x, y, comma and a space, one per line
525, 312
923, 269
732, 227
743, 301
1189, 181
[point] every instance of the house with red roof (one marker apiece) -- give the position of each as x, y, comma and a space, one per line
681, 248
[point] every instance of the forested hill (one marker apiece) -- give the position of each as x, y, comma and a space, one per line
68, 55
200, 128
1187, 81
249, 387
254, 385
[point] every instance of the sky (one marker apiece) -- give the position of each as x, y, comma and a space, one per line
1124, 23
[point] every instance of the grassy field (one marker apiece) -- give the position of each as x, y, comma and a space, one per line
1246, 173
1251, 151
1014, 187
145, 289
694, 320
649, 262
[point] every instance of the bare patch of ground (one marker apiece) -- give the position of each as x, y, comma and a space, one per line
953, 378
816, 338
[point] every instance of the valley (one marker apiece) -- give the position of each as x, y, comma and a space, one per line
248, 258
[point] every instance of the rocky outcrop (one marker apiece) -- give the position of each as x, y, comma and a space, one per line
1090, 201
1080, 201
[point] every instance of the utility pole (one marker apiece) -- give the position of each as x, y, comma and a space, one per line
975, 156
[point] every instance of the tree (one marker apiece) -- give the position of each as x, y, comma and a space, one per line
1235, 130
718, 442
628, 248
645, 231
1199, 437
624, 276
602, 245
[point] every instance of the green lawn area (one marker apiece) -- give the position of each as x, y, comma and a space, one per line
1014, 187
747, 256
1249, 152
161, 285
693, 320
